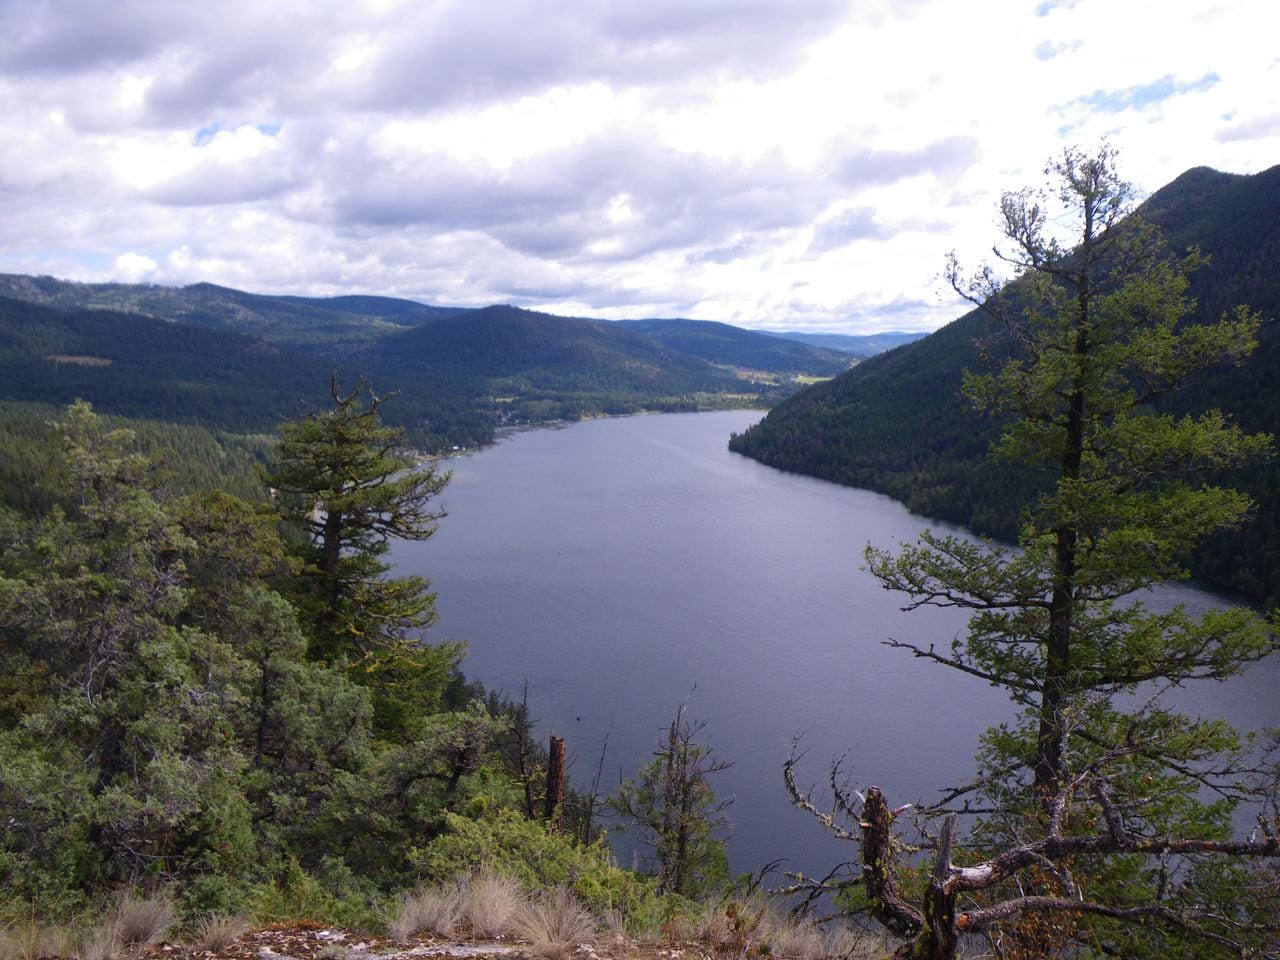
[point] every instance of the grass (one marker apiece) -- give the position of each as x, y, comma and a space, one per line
21, 941
430, 910
139, 922
736, 930
213, 933
101, 943
490, 903
556, 924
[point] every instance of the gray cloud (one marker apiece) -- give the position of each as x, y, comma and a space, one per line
277, 57
1256, 128
220, 183
950, 155
555, 204
857, 224
865, 314
470, 53
739, 248
74, 35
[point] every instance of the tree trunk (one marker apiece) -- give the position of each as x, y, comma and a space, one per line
555, 782
1056, 681
933, 933
877, 869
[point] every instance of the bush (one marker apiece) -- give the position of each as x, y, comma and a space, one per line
539, 859
295, 895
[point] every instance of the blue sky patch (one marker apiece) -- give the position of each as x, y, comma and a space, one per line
1048, 49
1044, 9
204, 136
1144, 95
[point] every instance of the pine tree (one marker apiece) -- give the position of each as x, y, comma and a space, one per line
124, 757
674, 807
344, 481
1091, 806
1099, 333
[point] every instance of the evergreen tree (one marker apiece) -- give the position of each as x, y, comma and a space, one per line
1092, 806
1100, 334
125, 755
674, 807
344, 481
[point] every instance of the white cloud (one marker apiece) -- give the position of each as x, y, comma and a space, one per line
767, 162
132, 267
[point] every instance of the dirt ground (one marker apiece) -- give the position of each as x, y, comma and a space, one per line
332, 943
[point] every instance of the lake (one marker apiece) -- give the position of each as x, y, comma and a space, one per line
623, 566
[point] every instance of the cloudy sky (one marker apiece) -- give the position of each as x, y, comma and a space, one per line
786, 164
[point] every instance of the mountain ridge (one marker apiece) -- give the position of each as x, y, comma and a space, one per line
896, 423
460, 372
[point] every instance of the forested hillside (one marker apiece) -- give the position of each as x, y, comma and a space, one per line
317, 324
332, 326
240, 361
725, 344
140, 367
898, 424
537, 365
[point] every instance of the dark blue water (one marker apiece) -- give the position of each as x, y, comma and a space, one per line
622, 566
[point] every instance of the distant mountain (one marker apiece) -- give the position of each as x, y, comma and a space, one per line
142, 367
235, 360
865, 345
317, 324
896, 423
724, 344
327, 324
537, 365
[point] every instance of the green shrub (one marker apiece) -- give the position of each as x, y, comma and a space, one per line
538, 858
296, 895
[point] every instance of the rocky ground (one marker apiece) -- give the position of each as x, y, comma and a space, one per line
331, 943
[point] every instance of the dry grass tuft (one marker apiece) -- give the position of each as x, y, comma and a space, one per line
556, 924
710, 926
215, 932
490, 903
614, 923
845, 943
138, 922
29, 940
20, 941
59, 942
730, 929
431, 910
801, 940
101, 943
